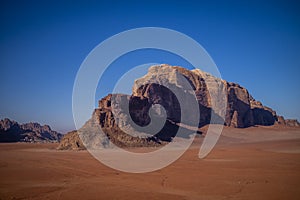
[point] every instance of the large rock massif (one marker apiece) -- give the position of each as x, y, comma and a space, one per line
240, 109
11, 131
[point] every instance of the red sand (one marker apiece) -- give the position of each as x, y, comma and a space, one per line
252, 163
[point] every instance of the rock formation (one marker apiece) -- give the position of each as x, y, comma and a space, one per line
11, 131
71, 141
157, 87
242, 109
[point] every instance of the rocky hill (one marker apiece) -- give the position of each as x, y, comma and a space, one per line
71, 141
11, 131
242, 110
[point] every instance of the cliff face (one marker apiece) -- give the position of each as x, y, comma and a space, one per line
242, 109
11, 131
120, 114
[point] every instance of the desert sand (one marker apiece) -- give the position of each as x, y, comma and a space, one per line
250, 163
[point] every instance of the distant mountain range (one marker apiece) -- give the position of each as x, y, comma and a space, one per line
11, 131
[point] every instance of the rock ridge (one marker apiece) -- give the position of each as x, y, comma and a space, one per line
12, 131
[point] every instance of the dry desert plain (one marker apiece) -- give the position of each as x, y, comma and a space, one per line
250, 163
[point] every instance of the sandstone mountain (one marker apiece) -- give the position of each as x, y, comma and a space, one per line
11, 131
131, 113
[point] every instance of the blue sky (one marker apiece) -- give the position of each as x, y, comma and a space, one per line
43, 43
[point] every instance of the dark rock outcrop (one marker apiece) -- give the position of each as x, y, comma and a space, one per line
113, 130
11, 131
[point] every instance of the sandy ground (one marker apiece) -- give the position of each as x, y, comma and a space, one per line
252, 163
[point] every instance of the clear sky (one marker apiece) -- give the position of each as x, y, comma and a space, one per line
43, 43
